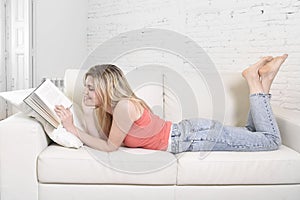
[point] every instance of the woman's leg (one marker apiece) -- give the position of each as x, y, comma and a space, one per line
251, 74
255, 85
209, 135
267, 74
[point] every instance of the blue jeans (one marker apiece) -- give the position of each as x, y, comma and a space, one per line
260, 134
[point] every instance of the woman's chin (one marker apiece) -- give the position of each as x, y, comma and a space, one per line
87, 102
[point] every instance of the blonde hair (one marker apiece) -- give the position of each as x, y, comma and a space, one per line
111, 86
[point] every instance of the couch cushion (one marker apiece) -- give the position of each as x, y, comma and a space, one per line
269, 167
58, 164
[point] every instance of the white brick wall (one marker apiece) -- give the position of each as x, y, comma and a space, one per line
234, 33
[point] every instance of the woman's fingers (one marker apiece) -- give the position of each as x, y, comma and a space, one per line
59, 107
65, 116
61, 111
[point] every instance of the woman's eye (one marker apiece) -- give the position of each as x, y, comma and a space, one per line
91, 89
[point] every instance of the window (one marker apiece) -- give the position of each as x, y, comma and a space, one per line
16, 47
19, 48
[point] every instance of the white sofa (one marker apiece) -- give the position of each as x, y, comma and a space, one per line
34, 168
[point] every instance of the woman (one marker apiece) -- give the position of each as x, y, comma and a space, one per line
126, 120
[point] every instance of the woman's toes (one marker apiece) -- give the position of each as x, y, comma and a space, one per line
268, 58
285, 56
252, 71
263, 61
271, 68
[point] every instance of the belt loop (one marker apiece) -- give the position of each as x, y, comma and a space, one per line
175, 138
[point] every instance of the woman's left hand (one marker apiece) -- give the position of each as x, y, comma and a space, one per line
65, 116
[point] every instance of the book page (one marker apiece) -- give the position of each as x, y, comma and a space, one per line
52, 96
40, 109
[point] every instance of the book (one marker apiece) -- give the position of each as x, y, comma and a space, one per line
43, 100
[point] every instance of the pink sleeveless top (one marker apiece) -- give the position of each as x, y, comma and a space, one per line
149, 132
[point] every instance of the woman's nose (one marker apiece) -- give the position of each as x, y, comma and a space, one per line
85, 90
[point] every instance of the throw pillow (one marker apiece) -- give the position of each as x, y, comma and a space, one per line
60, 135
15, 98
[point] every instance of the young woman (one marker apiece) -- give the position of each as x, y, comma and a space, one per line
123, 119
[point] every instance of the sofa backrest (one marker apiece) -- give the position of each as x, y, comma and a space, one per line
175, 97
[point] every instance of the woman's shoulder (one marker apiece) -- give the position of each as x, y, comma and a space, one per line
129, 107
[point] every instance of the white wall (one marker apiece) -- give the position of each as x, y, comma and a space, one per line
2, 62
234, 33
60, 39
2, 48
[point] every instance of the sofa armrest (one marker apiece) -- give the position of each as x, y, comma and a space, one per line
21, 141
288, 122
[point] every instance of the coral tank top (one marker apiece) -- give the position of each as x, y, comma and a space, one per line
149, 132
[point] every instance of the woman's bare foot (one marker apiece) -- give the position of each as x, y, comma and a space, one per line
251, 74
252, 71
268, 72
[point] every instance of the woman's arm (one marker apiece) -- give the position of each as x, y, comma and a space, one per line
90, 124
124, 116
91, 128
94, 142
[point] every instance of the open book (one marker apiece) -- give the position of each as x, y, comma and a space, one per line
43, 100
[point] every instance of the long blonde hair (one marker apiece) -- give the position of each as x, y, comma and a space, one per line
111, 86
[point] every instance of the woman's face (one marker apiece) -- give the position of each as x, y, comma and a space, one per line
90, 98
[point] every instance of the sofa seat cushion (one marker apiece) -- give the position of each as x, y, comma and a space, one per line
58, 164
267, 167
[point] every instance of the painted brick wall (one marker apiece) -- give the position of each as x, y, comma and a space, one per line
234, 33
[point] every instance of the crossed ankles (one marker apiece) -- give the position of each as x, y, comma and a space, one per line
269, 71
261, 74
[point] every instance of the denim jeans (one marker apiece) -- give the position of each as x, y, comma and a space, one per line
261, 132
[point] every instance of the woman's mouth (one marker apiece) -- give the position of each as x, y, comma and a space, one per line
87, 98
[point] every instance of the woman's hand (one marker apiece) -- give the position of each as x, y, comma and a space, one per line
66, 118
